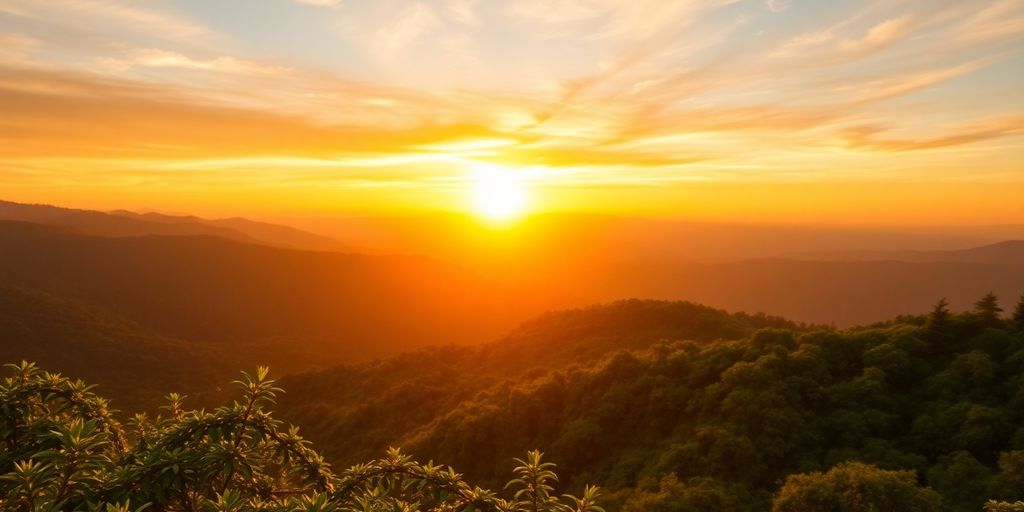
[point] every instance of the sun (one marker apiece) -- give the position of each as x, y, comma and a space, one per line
499, 193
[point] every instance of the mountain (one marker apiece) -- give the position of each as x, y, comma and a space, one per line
135, 366
565, 240
843, 293
264, 232
125, 223
669, 404
339, 307
1009, 252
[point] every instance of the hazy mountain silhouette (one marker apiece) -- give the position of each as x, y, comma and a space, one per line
347, 306
1009, 252
125, 223
211, 289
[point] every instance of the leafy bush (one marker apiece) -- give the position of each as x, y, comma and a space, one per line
853, 487
61, 448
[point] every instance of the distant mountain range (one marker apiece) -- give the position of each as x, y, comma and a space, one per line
126, 223
1009, 252
217, 295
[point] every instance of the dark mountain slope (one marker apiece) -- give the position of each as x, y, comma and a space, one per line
340, 307
127, 362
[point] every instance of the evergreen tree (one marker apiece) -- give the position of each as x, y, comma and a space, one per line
1018, 313
987, 309
939, 318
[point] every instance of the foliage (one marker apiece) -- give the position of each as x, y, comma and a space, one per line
1003, 506
62, 449
855, 487
1018, 313
945, 401
987, 308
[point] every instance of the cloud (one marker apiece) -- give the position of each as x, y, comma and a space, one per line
463, 11
864, 137
778, 5
648, 85
124, 16
320, 3
158, 58
834, 45
1001, 20
14, 48
905, 83
413, 22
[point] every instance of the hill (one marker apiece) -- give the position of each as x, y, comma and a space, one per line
207, 289
125, 223
126, 361
1008, 252
669, 401
844, 293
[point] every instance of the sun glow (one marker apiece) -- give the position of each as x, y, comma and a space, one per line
499, 193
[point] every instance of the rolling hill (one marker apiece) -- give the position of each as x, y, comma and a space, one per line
675, 406
125, 223
211, 289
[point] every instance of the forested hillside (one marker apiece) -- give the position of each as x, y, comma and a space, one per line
127, 361
207, 289
62, 449
686, 408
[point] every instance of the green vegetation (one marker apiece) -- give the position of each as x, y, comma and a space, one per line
63, 450
715, 422
670, 406
855, 487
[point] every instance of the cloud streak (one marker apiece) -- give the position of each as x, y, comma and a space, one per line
595, 91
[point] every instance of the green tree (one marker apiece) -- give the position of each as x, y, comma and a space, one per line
1010, 481
694, 495
1018, 313
987, 309
938, 320
855, 487
62, 450
1003, 506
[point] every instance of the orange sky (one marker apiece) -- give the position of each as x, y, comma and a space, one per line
750, 110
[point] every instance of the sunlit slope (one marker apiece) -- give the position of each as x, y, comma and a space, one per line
729, 417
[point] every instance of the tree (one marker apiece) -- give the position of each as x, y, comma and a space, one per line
694, 495
939, 317
855, 487
1003, 506
987, 308
63, 450
1011, 474
1018, 313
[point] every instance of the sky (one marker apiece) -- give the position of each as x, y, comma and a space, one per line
872, 111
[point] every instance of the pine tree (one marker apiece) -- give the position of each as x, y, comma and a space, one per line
939, 318
1018, 313
988, 309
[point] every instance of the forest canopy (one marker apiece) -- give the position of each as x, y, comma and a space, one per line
667, 406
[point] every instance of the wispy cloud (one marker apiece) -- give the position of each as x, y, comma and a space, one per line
778, 5
865, 137
320, 3
648, 92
